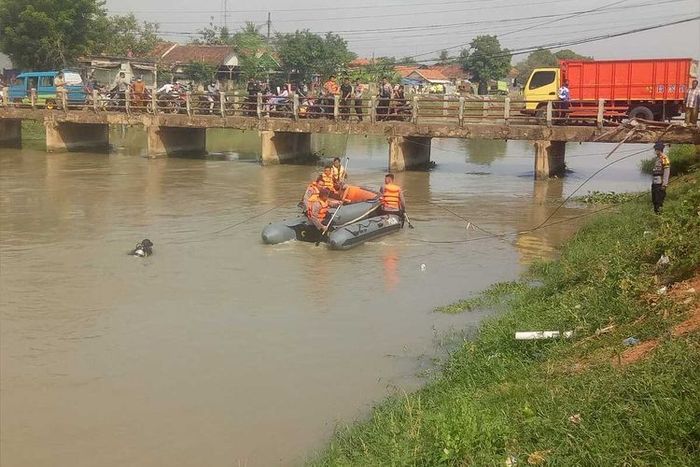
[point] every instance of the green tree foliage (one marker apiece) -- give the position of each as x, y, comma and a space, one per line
124, 34
48, 34
542, 58
199, 72
444, 57
254, 54
376, 70
485, 60
306, 53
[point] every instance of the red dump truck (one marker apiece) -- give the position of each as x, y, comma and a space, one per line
652, 89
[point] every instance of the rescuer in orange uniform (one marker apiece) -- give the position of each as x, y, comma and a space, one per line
318, 208
392, 198
329, 181
312, 190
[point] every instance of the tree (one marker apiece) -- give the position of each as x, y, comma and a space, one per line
124, 34
306, 53
48, 34
485, 60
199, 72
443, 58
542, 58
251, 47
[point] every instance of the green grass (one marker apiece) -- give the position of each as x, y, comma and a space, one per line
600, 197
683, 158
500, 399
494, 295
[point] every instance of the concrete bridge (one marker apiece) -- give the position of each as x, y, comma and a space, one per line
288, 138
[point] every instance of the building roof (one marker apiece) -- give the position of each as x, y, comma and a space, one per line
360, 62
161, 48
405, 70
216, 55
172, 53
433, 76
453, 72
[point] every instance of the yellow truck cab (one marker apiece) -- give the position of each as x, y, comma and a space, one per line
541, 87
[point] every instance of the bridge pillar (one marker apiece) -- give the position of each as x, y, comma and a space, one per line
68, 136
168, 141
408, 152
549, 158
10, 133
281, 146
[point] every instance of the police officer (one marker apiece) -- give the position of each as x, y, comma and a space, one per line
660, 175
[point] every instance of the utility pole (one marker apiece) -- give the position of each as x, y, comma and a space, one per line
226, 14
269, 23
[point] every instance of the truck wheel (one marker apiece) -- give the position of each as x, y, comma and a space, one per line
642, 112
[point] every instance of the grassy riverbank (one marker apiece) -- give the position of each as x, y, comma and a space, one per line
588, 400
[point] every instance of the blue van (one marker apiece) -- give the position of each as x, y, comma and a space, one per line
43, 82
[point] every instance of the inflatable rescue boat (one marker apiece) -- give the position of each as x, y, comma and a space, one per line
354, 223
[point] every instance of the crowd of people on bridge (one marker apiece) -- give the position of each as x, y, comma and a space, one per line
320, 101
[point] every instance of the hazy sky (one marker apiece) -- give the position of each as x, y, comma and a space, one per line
419, 27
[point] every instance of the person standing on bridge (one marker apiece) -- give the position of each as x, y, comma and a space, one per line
564, 103
385, 92
358, 90
659, 177
345, 98
692, 102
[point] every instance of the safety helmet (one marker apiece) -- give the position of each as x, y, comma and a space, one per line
659, 146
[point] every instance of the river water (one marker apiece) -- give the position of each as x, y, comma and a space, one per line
221, 351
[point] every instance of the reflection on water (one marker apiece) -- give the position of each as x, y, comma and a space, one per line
218, 349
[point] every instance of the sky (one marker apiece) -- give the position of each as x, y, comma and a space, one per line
422, 28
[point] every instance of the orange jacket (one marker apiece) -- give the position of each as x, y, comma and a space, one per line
391, 197
322, 212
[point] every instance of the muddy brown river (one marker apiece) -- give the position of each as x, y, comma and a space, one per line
219, 350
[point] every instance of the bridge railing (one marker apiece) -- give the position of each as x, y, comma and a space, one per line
417, 109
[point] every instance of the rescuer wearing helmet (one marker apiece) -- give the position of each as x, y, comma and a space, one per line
659, 177
318, 208
392, 198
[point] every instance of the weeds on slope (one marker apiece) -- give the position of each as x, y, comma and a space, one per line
571, 401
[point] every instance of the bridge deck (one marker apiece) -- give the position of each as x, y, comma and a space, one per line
646, 132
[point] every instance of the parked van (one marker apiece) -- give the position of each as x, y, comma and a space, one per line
43, 83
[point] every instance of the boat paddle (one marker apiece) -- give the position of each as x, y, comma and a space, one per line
408, 221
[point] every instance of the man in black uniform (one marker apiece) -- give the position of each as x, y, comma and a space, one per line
659, 177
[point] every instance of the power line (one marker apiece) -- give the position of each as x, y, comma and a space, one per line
565, 43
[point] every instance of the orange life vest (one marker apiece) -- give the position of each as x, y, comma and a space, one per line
322, 213
391, 197
328, 181
313, 188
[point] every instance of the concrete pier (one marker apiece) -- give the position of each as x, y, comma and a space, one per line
169, 141
408, 152
68, 136
549, 158
10, 133
280, 146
